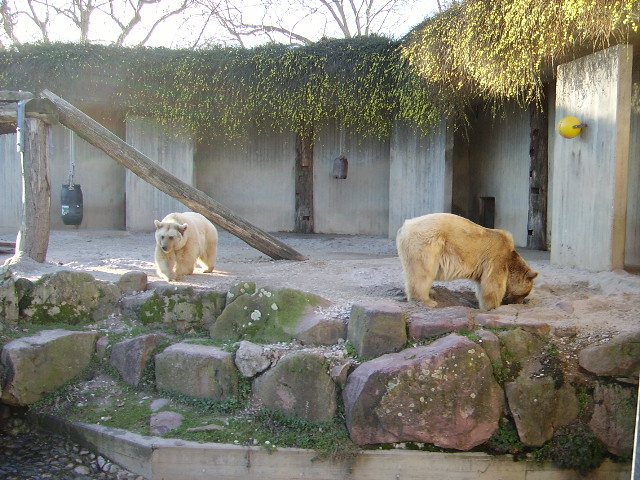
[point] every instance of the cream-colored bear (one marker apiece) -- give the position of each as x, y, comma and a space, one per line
182, 239
445, 247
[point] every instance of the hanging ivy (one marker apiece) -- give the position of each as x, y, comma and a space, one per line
507, 49
361, 82
476, 50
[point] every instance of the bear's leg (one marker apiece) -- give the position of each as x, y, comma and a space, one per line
185, 263
165, 264
208, 260
491, 290
420, 272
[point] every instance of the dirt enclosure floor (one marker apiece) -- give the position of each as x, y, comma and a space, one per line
358, 269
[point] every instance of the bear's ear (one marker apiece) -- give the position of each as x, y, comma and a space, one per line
182, 228
531, 275
157, 223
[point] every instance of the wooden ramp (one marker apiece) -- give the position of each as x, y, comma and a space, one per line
151, 172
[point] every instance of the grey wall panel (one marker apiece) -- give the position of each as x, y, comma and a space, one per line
590, 171
171, 150
358, 204
499, 168
254, 178
419, 178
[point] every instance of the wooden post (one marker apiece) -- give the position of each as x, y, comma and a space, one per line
34, 119
538, 177
33, 237
304, 184
145, 168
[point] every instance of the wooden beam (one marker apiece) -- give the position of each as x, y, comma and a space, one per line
39, 108
14, 96
145, 168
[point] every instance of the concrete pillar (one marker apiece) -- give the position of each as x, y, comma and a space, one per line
173, 152
590, 171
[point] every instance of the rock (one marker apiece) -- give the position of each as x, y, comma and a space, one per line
518, 344
181, 308
377, 328
439, 321
620, 357
269, 315
300, 386
162, 423
133, 282
539, 406
491, 344
71, 297
316, 329
43, 362
9, 299
197, 370
239, 289
159, 404
102, 345
491, 320
443, 393
340, 372
251, 359
614, 417
130, 356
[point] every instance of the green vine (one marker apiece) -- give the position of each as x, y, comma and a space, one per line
475, 51
509, 48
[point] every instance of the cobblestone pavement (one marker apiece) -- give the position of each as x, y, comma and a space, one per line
30, 455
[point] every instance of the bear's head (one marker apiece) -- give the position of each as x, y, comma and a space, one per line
169, 235
519, 281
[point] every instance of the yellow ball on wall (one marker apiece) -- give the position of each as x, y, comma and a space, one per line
570, 127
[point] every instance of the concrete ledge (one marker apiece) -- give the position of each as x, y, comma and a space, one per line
170, 459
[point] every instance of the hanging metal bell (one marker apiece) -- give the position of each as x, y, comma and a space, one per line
340, 167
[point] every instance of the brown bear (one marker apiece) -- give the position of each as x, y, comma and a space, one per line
183, 239
445, 247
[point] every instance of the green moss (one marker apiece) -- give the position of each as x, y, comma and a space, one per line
574, 447
47, 313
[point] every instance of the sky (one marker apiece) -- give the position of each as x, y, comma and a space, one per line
177, 33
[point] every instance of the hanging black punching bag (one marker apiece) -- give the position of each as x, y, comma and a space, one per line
71, 201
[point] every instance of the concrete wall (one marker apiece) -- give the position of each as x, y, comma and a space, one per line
358, 204
171, 150
590, 171
101, 180
253, 178
420, 175
632, 241
100, 177
499, 168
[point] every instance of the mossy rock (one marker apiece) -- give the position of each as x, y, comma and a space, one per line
70, 297
183, 308
268, 315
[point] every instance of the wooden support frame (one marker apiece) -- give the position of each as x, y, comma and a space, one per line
100, 137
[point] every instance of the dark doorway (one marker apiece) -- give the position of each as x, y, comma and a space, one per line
488, 212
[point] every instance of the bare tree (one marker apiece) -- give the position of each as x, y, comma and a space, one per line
86, 21
301, 21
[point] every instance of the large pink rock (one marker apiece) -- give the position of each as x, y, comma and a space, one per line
444, 394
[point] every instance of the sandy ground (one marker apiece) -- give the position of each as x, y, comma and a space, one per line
352, 269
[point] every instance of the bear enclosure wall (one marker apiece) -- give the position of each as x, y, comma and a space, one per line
388, 180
